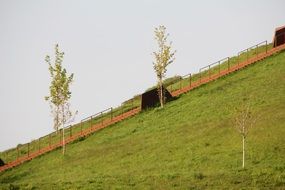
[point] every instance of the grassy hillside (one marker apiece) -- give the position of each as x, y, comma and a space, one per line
172, 84
23, 150
214, 68
190, 144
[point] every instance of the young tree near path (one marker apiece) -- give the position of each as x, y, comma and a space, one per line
59, 93
244, 121
162, 58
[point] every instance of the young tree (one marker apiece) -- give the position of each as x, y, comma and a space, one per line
162, 58
244, 120
59, 93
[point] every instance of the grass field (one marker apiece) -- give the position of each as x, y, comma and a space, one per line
23, 150
218, 66
190, 144
172, 84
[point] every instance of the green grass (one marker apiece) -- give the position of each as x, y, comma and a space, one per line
172, 84
215, 68
53, 138
190, 144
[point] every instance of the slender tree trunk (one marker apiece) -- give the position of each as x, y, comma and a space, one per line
160, 93
63, 139
243, 151
57, 119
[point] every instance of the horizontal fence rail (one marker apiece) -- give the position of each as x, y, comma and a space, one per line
223, 67
70, 133
107, 117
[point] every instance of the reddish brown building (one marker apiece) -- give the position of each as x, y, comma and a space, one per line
279, 36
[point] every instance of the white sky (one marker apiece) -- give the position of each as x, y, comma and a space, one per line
108, 46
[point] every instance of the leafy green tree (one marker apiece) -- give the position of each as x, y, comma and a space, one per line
162, 58
59, 93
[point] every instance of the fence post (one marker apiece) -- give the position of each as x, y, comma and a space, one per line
256, 51
140, 101
70, 131
219, 67
180, 83
200, 75
81, 127
28, 149
101, 118
266, 46
247, 54
228, 64
190, 78
111, 113
17, 152
49, 140
90, 122
238, 58
209, 72
39, 144
60, 137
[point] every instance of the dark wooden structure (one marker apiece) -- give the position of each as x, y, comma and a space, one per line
1, 162
151, 98
279, 36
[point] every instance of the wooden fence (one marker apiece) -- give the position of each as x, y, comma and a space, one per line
131, 107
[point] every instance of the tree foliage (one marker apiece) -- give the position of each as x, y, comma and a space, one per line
162, 58
59, 92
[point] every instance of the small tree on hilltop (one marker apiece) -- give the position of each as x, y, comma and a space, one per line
162, 58
244, 120
59, 93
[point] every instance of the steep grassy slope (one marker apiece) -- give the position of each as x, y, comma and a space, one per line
190, 144
172, 84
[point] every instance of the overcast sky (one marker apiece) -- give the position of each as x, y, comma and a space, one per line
108, 46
